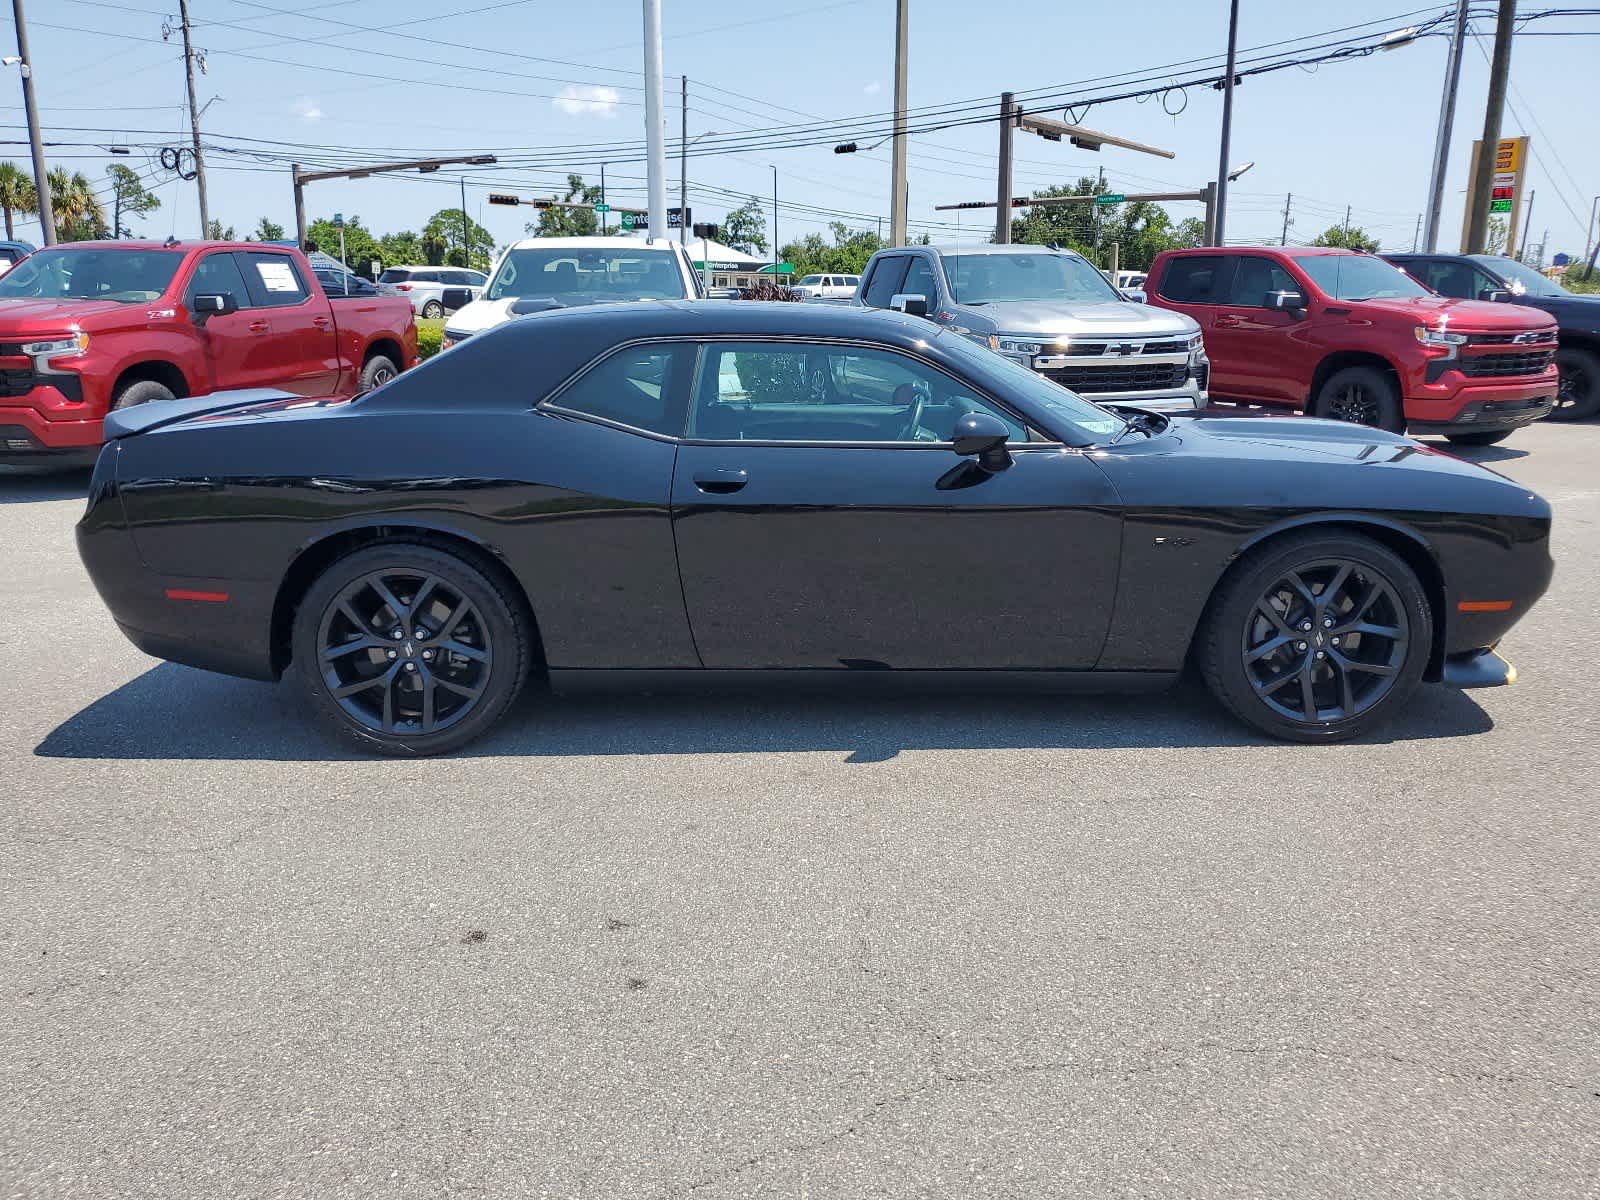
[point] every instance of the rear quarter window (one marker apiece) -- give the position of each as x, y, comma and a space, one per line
1192, 279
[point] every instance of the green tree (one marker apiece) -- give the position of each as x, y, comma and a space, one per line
80, 216
1191, 231
401, 248
444, 233
745, 228
216, 231
1068, 225
846, 254
268, 231
1353, 238
129, 198
360, 247
569, 222
16, 194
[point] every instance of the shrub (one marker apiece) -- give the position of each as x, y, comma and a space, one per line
767, 290
429, 334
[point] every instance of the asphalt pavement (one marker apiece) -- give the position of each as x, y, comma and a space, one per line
800, 947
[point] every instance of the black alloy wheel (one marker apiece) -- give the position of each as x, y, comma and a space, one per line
1361, 396
407, 649
1354, 403
1315, 637
1578, 392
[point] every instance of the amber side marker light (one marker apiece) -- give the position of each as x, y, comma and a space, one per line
203, 597
1483, 606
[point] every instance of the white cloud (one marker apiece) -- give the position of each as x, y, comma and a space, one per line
307, 109
579, 100
873, 88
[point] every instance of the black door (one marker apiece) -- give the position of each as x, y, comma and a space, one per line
821, 521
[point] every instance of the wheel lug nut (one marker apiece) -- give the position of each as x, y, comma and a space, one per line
1305, 627
411, 666
427, 655
422, 633
1299, 645
1335, 641
1327, 622
1320, 654
394, 654
396, 635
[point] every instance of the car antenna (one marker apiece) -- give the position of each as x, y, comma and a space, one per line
171, 241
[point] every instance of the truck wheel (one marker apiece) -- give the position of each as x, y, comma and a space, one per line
432, 310
1481, 438
140, 391
1579, 397
1363, 396
378, 371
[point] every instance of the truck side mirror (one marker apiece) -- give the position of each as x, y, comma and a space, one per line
1286, 301
1495, 295
913, 305
212, 304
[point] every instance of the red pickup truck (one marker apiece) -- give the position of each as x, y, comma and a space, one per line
1347, 335
91, 326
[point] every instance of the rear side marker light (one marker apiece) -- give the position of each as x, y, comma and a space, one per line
202, 597
1484, 606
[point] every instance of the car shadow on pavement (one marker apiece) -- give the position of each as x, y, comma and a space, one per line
1479, 454
30, 485
173, 712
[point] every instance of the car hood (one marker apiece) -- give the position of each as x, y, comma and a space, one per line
27, 316
1113, 318
1441, 311
486, 314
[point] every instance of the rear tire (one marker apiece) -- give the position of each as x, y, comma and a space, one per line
378, 371
1579, 397
432, 310
1362, 396
1306, 590
141, 391
1485, 438
462, 656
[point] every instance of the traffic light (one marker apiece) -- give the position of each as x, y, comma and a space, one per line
704, 229
503, 198
845, 148
543, 204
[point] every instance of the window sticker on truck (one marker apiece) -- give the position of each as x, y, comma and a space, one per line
277, 276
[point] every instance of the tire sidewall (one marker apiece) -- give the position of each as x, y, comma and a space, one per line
1391, 414
1222, 659
507, 633
432, 310
374, 364
143, 391
1589, 363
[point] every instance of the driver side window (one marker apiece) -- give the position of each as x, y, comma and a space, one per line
216, 273
817, 392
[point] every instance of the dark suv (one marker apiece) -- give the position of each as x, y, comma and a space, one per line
1495, 277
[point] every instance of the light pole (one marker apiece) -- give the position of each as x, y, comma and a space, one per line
654, 134
41, 179
1219, 234
683, 176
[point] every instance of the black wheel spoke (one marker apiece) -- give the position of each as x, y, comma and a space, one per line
1355, 664
1299, 586
454, 619
389, 598
449, 685
1332, 590
362, 685
428, 714
1308, 693
1265, 608
1271, 645
365, 642
420, 596
1347, 695
466, 651
1269, 686
1384, 631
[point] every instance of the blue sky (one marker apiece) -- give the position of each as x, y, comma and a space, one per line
561, 81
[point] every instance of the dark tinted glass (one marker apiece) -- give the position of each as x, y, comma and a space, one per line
919, 280
274, 280
1191, 280
639, 386
885, 281
1255, 280
218, 274
70, 273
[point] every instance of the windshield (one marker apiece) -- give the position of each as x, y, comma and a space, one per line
1520, 278
1015, 380
126, 276
987, 277
394, 275
1359, 277
588, 276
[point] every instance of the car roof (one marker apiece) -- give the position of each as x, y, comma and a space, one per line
992, 248
593, 243
1267, 251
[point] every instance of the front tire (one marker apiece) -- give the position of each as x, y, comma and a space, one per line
378, 371
141, 391
1481, 438
1362, 396
1579, 395
1316, 637
407, 649
432, 310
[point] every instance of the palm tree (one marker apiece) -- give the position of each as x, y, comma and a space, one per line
79, 214
16, 194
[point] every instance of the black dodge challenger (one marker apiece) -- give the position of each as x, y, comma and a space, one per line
649, 494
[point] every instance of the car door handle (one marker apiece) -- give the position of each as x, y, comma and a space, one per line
321, 322
721, 482
258, 326
1227, 321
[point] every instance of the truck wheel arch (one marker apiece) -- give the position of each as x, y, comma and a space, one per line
389, 348
1338, 360
155, 370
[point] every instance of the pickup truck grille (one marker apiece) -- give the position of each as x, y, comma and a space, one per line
1507, 339
1124, 377
1093, 349
1528, 363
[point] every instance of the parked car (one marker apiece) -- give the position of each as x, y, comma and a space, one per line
425, 286
1495, 277
11, 253
659, 494
1348, 336
1051, 311
90, 327
1131, 285
339, 283
827, 287
542, 273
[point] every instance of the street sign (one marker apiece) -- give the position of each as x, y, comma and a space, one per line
628, 220
675, 218
1109, 198
503, 198
1560, 260
338, 220
602, 207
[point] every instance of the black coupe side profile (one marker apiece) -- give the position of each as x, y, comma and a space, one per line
703, 492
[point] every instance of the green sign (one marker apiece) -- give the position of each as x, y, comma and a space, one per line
781, 269
1499, 206
602, 207
1109, 198
628, 219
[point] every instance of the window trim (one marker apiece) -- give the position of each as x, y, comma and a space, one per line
1238, 265
248, 300
1229, 262
293, 267
877, 269
705, 343
551, 403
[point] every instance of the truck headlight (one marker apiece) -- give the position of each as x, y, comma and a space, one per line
1439, 337
71, 346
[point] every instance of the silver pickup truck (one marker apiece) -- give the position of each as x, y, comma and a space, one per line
1052, 311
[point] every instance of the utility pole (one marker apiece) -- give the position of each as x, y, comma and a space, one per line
194, 120
654, 134
1527, 224
683, 166
1002, 196
1288, 202
1588, 230
603, 215
1099, 186
1416, 235
466, 229
41, 178
1208, 197
897, 171
774, 222
1221, 219
1447, 117
1346, 224
1483, 182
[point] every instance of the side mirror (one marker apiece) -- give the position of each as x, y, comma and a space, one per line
1495, 295
1286, 301
913, 305
212, 304
983, 436
455, 297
